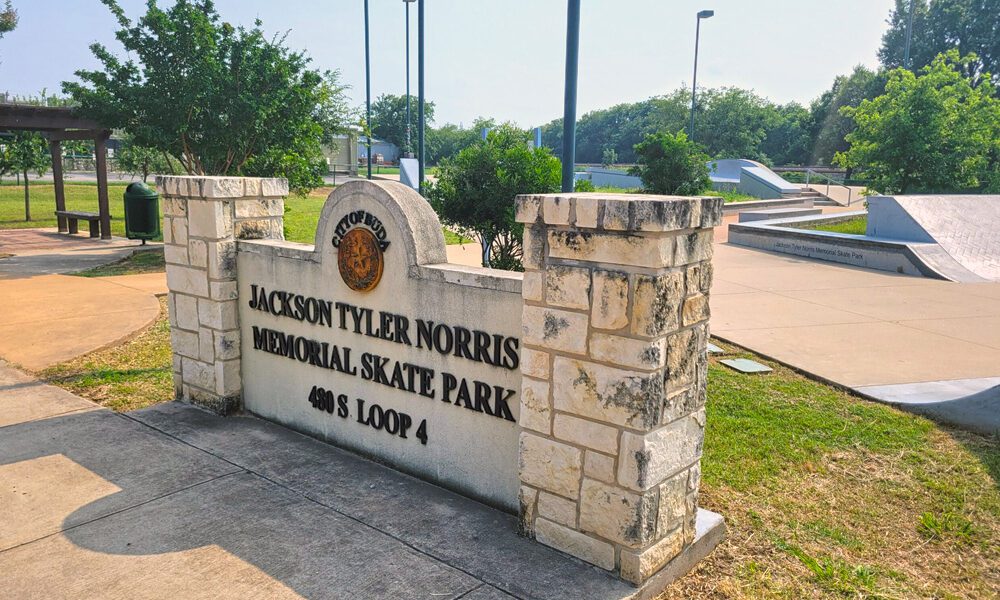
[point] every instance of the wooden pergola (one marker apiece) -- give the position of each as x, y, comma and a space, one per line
58, 124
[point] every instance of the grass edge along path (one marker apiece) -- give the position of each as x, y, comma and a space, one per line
139, 262
132, 375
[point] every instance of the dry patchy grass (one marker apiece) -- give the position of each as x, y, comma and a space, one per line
841, 498
128, 377
137, 263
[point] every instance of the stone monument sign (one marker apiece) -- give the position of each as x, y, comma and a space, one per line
572, 394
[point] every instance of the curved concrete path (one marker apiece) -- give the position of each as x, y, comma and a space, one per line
48, 318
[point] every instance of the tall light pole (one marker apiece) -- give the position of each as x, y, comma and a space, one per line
409, 152
705, 14
909, 36
368, 93
569, 104
420, 89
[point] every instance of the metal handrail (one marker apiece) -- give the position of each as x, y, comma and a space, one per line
830, 181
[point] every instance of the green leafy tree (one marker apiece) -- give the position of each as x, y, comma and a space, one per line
609, 157
222, 100
25, 152
476, 189
933, 133
139, 160
829, 124
788, 141
447, 141
733, 123
389, 119
968, 26
671, 164
8, 18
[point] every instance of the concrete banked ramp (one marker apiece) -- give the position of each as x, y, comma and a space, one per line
962, 232
749, 177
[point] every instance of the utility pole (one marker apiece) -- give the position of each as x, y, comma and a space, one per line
420, 88
569, 104
368, 93
409, 146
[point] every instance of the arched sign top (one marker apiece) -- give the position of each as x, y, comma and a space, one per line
418, 227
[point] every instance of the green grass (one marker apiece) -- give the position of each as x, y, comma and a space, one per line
137, 263
131, 376
451, 238
855, 226
79, 196
830, 496
730, 196
302, 216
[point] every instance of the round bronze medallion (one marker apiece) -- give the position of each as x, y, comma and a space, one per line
359, 258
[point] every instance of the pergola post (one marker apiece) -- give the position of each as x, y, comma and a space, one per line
55, 149
100, 152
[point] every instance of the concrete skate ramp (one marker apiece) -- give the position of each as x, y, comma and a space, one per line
749, 177
728, 170
967, 228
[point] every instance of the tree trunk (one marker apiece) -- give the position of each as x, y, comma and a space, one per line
27, 200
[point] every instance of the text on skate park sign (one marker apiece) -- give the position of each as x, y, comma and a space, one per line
371, 342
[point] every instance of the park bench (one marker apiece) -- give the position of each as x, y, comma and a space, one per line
72, 217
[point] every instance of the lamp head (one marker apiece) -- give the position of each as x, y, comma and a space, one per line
701, 15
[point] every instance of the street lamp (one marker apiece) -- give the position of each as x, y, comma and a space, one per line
368, 93
409, 153
569, 102
705, 14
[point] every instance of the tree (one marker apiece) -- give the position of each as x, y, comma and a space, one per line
24, 152
142, 160
968, 26
447, 141
829, 124
222, 100
672, 165
609, 157
389, 119
933, 133
787, 141
476, 190
8, 18
733, 123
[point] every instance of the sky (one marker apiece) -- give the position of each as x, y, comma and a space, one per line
506, 58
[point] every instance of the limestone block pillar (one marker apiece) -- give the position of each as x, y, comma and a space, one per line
614, 366
202, 219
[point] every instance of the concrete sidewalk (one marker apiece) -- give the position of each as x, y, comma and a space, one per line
173, 502
49, 317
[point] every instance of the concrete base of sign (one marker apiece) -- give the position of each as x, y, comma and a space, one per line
173, 501
461, 533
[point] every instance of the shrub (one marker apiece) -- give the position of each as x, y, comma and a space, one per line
671, 164
475, 190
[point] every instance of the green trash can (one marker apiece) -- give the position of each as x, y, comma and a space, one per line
142, 212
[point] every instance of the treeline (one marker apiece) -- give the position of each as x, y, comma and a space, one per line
738, 123
729, 122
